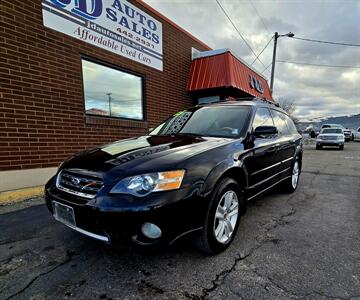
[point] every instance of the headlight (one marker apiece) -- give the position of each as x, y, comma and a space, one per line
142, 185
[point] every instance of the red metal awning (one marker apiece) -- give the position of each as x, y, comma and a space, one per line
224, 70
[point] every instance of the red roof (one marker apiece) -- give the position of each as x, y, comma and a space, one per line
224, 70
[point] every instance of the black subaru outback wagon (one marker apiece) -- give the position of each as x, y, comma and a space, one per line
193, 174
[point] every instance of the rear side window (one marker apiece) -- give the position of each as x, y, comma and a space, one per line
280, 123
262, 118
291, 125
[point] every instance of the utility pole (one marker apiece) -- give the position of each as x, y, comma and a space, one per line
109, 95
276, 36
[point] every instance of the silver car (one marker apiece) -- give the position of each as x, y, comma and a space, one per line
330, 137
346, 131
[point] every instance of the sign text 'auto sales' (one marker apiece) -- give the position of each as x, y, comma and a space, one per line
114, 25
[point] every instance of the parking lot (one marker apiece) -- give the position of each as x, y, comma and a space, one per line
303, 245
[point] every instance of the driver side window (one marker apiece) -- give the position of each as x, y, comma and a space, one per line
262, 118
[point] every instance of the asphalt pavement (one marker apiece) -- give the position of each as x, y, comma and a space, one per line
304, 245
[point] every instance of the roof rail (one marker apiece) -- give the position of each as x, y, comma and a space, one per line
255, 99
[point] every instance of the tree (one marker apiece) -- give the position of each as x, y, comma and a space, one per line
289, 106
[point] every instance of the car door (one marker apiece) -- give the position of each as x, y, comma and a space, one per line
264, 161
287, 142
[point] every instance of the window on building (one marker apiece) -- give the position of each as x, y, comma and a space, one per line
111, 92
262, 118
280, 123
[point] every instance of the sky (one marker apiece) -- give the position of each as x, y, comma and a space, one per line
316, 91
124, 89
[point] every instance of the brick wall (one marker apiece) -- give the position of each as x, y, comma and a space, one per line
41, 97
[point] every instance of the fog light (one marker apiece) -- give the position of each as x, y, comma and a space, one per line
151, 231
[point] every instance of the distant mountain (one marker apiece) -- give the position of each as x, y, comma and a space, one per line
352, 122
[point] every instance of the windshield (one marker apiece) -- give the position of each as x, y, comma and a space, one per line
332, 126
331, 130
217, 121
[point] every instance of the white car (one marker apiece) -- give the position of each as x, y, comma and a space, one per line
356, 134
346, 131
330, 137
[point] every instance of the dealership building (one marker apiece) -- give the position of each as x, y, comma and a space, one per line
76, 74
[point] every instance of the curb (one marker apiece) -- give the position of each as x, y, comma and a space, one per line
20, 195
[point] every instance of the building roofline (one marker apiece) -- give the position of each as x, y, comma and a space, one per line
172, 23
203, 54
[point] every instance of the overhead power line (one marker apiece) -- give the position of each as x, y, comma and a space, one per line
237, 30
257, 56
317, 65
325, 42
261, 19
266, 68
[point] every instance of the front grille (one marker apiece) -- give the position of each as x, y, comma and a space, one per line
329, 138
79, 184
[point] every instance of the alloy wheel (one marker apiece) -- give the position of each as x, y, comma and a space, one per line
295, 175
226, 217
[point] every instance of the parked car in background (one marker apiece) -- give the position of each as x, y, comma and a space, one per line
193, 174
355, 134
330, 137
346, 131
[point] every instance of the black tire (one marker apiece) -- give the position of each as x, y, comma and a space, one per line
318, 147
207, 241
288, 183
341, 147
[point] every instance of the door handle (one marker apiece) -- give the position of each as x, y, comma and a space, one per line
274, 148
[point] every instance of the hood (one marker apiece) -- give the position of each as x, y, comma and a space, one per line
143, 153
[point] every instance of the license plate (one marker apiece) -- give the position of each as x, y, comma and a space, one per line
64, 213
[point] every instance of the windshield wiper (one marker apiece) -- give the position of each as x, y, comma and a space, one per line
191, 134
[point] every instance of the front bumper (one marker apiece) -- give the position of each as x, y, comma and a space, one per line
330, 142
113, 224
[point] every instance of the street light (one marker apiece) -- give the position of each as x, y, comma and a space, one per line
276, 36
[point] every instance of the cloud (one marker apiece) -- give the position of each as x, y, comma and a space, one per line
317, 91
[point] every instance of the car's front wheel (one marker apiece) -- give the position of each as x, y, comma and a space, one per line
222, 218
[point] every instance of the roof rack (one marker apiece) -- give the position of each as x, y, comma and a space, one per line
229, 100
255, 99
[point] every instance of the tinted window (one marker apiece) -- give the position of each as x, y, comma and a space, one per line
262, 118
207, 121
280, 123
111, 92
291, 125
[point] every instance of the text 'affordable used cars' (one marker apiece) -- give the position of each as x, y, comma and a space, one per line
191, 176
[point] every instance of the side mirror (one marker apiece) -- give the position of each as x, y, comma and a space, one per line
264, 131
151, 129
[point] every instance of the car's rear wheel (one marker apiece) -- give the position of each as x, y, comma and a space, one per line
292, 182
341, 147
222, 218
318, 147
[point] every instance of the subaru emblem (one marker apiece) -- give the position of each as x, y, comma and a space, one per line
75, 181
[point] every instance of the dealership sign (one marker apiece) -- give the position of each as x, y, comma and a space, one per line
114, 25
256, 84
